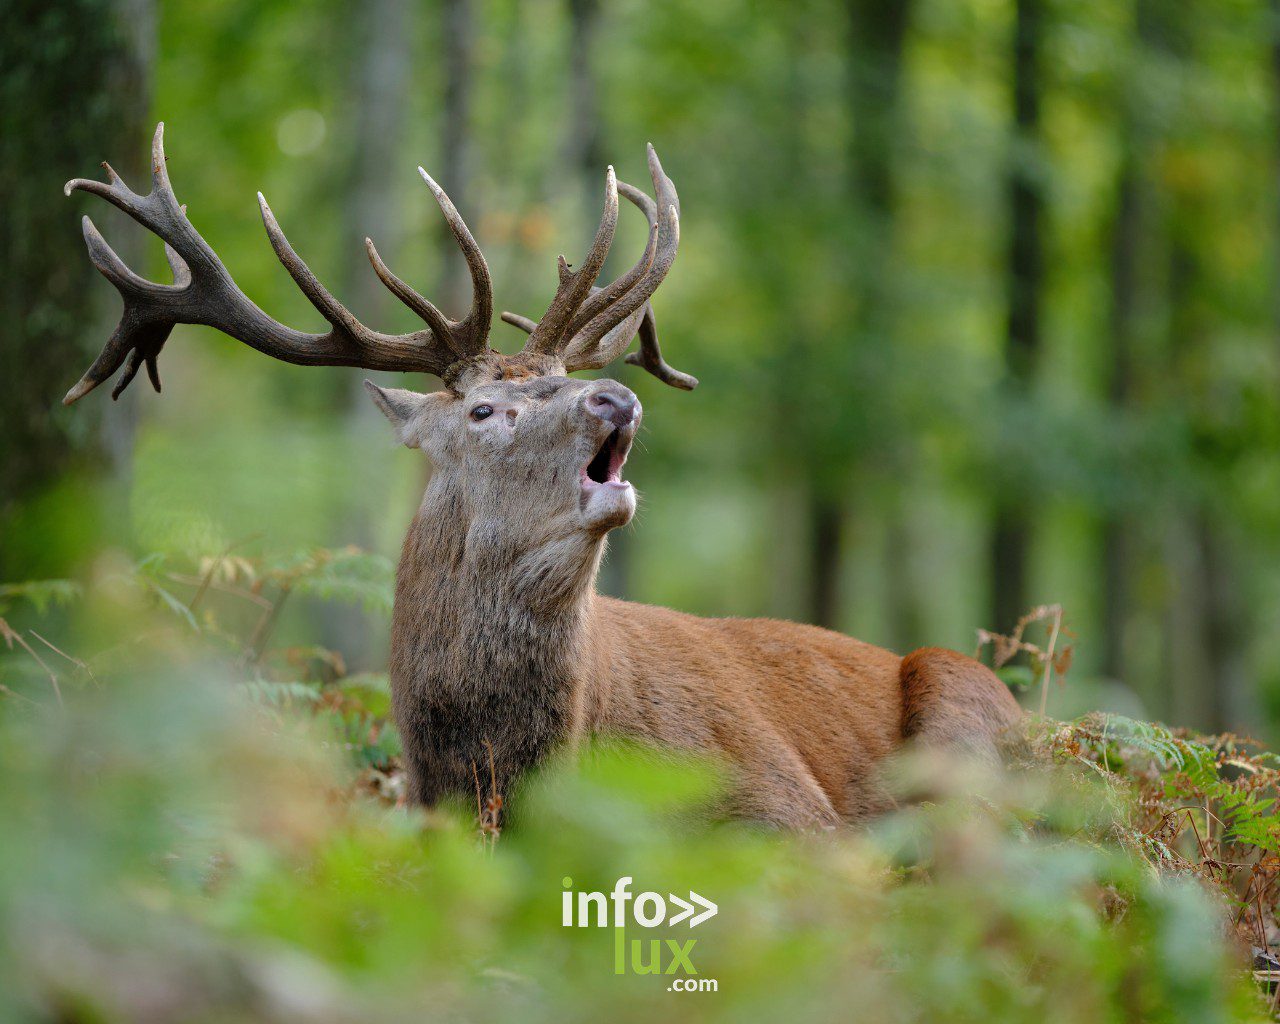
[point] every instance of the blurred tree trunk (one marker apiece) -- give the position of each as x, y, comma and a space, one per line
826, 553
582, 135
1126, 233
131, 85
1206, 621
1208, 617
458, 41
1011, 536
380, 86
380, 90
1132, 239
69, 98
876, 38
1274, 8
1189, 670
1232, 700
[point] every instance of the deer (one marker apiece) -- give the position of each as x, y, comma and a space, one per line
502, 651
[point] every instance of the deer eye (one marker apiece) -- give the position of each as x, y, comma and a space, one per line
481, 412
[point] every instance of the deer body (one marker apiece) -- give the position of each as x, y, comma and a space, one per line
803, 716
500, 644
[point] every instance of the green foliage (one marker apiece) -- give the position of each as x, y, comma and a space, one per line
224, 831
42, 594
282, 696
348, 576
1229, 781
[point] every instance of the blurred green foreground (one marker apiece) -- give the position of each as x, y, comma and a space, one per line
201, 826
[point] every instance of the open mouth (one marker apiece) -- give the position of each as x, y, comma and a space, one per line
606, 466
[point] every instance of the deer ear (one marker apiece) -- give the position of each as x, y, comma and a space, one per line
403, 409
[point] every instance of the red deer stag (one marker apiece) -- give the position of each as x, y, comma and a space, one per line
500, 643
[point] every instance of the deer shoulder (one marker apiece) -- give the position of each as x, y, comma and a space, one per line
804, 714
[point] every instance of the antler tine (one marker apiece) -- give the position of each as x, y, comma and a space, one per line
465, 337
611, 316
150, 210
516, 320
603, 340
111, 266
441, 325
602, 298
160, 185
155, 211
641, 199
203, 292
317, 294
475, 325
650, 356
549, 335
177, 265
599, 342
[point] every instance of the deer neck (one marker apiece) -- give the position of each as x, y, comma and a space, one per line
482, 566
494, 626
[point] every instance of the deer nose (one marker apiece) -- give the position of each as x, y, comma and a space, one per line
615, 405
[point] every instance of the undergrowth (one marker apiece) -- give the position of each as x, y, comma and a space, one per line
203, 824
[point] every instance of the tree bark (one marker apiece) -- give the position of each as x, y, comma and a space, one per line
1209, 618
130, 83
582, 137
1010, 544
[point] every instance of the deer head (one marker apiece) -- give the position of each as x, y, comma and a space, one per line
522, 433
538, 458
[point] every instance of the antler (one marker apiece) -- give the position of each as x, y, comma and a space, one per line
203, 292
590, 327
548, 334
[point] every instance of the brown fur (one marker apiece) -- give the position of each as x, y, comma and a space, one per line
501, 643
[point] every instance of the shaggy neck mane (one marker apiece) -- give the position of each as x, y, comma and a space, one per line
491, 628
495, 576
